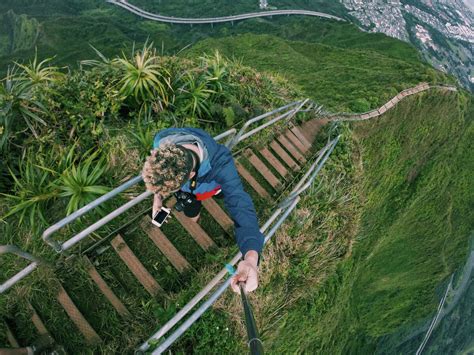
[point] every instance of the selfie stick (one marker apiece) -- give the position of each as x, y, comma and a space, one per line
255, 344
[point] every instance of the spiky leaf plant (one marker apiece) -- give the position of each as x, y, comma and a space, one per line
32, 193
18, 107
143, 78
39, 73
194, 95
79, 183
103, 63
216, 72
143, 135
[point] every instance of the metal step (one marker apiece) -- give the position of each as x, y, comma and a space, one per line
135, 266
12, 340
296, 142
291, 148
37, 322
263, 169
165, 246
284, 156
273, 161
218, 214
105, 289
193, 228
92, 338
251, 180
298, 133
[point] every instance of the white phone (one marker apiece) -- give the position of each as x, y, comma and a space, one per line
160, 217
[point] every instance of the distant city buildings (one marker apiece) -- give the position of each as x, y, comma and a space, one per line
424, 36
443, 30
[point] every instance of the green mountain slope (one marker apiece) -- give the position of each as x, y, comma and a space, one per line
412, 173
339, 78
416, 216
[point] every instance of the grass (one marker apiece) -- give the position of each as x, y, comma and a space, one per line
412, 233
349, 267
330, 75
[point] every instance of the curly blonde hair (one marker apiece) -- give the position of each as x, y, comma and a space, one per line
166, 169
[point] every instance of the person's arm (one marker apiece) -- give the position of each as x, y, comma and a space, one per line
247, 231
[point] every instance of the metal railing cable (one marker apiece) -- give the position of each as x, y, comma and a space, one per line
233, 138
436, 317
213, 298
285, 207
195, 300
59, 247
13, 249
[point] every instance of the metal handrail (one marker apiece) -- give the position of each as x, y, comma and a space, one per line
209, 302
238, 137
314, 170
290, 201
195, 300
288, 115
47, 234
13, 249
234, 139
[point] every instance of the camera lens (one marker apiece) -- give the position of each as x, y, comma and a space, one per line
179, 206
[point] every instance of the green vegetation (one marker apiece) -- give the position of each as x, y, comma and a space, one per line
338, 78
18, 32
67, 29
68, 136
88, 109
413, 230
392, 205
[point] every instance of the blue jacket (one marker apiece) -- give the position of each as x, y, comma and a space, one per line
219, 170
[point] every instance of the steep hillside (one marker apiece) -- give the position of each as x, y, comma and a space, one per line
362, 257
67, 28
339, 78
377, 270
415, 204
17, 32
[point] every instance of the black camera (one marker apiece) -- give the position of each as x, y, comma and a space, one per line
183, 199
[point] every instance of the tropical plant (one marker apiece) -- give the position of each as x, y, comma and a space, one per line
143, 135
18, 103
35, 73
103, 63
32, 192
79, 181
143, 78
195, 96
217, 72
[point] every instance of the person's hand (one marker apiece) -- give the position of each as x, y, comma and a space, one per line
156, 204
246, 272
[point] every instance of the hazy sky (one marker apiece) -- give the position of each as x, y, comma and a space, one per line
470, 3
